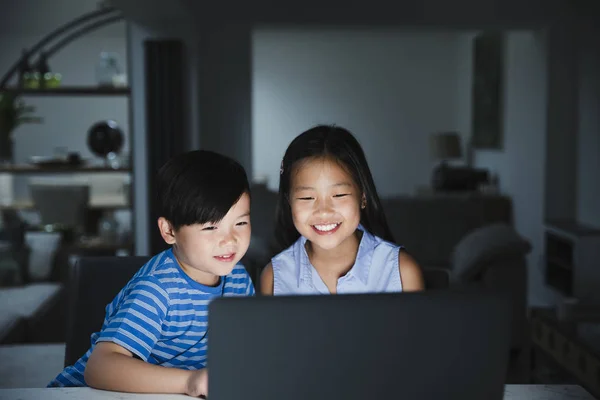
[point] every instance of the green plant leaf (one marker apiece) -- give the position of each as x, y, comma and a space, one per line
15, 112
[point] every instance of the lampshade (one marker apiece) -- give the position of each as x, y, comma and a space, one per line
445, 146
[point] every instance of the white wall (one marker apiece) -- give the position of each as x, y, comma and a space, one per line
520, 166
390, 88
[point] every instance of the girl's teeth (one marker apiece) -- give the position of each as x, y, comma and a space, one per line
326, 228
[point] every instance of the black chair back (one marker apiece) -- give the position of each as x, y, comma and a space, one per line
93, 284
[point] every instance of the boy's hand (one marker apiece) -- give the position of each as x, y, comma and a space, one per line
197, 384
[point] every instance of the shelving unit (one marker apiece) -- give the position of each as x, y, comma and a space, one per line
34, 58
572, 251
97, 206
66, 169
71, 91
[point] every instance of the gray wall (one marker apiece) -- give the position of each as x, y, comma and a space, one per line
465, 14
391, 88
562, 123
137, 34
224, 72
520, 165
588, 155
135, 37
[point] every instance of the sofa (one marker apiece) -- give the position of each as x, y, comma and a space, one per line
428, 226
495, 257
31, 311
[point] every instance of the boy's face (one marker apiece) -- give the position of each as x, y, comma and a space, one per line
207, 251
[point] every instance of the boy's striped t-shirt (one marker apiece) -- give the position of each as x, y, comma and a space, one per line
161, 316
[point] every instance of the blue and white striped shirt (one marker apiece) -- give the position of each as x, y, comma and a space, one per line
161, 316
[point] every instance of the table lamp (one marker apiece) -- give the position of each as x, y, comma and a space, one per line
444, 146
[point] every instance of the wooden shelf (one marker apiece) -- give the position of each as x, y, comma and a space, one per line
573, 228
98, 202
71, 91
58, 169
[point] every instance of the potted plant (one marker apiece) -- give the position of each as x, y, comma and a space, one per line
13, 113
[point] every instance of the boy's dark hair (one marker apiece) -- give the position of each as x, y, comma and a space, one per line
198, 187
338, 144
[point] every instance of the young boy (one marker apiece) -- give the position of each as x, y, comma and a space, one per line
154, 336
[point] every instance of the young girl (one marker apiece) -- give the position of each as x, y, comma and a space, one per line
331, 230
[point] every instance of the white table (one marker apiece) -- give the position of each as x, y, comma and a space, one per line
29, 365
513, 392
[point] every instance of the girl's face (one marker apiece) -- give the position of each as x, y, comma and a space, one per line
325, 202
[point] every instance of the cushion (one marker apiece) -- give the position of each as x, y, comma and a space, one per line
25, 301
485, 245
12, 327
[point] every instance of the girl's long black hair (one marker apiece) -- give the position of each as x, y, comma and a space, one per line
338, 144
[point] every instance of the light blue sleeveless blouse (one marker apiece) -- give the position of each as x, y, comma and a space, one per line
375, 270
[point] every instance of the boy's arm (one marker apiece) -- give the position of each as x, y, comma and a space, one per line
112, 367
134, 329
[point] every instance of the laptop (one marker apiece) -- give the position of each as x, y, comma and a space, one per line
427, 345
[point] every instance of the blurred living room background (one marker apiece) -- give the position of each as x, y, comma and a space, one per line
482, 133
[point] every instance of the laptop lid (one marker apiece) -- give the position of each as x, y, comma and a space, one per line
425, 345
